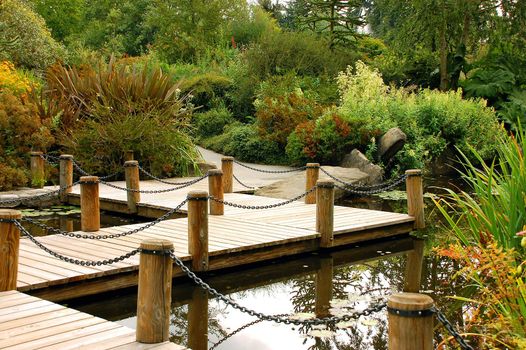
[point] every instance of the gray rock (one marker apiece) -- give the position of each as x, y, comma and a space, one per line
9, 197
203, 168
295, 185
357, 159
390, 143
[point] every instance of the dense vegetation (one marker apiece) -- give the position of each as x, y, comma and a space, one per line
287, 84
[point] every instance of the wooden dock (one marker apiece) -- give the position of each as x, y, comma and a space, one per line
27, 322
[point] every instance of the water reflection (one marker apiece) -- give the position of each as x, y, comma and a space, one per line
298, 285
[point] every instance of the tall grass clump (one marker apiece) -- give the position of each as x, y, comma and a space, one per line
489, 225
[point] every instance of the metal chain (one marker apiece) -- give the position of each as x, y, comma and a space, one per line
257, 207
39, 197
85, 173
386, 184
165, 216
274, 318
154, 191
147, 173
72, 260
242, 184
374, 191
451, 329
270, 171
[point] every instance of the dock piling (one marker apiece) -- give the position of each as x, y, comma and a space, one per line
311, 177
155, 292
37, 170
227, 165
65, 176
198, 229
131, 173
415, 197
215, 187
410, 319
89, 204
325, 212
9, 249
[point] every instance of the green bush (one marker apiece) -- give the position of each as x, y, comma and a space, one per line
212, 122
24, 37
207, 89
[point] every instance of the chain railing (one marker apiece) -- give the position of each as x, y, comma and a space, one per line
270, 171
164, 217
258, 207
451, 329
39, 197
373, 191
147, 173
189, 183
242, 184
367, 188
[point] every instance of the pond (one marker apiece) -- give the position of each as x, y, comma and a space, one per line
360, 274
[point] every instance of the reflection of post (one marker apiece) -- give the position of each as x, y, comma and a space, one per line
413, 268
198, 320
324, 287
66, 224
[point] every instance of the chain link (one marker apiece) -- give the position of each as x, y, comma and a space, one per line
270, 171
257, 207
147, 173
165, 216
382, 186
39, 197
451, 329
85, 173
189, 183
242, 184
274, 318
372, 191
72, 260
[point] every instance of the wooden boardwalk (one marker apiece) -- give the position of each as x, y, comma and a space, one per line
27, 322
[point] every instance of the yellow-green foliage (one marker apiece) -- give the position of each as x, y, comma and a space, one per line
24, 37
12, 80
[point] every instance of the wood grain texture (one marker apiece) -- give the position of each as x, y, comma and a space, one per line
312, 174
215, 188
325, 212
37, 170
131, 174
198, 229
65, 175
89, 204
227, 166
9, 249
415, 197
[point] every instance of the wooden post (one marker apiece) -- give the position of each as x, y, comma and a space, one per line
198, 320
415, 197
37, 170
227, 165
325, 212
89, 203
155, 292
65, 176
413, 268
324, 286
215, 188
410, 321
128, 155
131, 173
198, 229
311, 177
9, 246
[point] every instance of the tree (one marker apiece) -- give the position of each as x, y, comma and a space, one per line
62, 17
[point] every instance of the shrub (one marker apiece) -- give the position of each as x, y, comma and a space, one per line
24, 37
15, 81
212, 122
118, 109
21, 130
207, 88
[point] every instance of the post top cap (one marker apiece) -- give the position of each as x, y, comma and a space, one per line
325, 183
65, 156
10, 214
215, 172
131, 163
197, 194
36, 153
313, 165
410, 301
156, 244
227, 159
88, 179
413, 172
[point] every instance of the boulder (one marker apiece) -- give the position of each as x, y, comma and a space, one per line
295, 185
203, 168
12, 200
390, 143
357, 159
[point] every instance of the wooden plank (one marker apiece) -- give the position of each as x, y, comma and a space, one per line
27, 313
15, 325
95, 339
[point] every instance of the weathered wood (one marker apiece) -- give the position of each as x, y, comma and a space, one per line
129, 155
325, 212
9, 249
198, 229
413, 268
227, 166
37, 170
311, 177
131, 173
89, 203
414, 331
415, 197
154, 293
65, 176
324, 286
215, 187
198, 320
